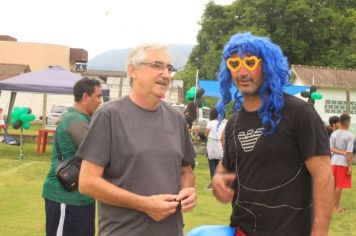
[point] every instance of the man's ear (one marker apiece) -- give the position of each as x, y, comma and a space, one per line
85, 97
132, 71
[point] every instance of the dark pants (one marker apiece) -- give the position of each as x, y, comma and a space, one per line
70, 219
213, 163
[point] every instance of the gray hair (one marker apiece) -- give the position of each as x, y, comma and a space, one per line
138, 54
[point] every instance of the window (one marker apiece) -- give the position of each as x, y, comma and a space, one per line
338, 107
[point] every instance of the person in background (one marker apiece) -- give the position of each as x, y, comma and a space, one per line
329, 130
191, 115
214, 148
138, 158
71, 213
276, 166
2, 120
341, 145
334, 122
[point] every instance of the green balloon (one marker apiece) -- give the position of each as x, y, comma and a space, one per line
23, 110
32, 117
191, 95
26, 125
316, 96
15, 115
25, 118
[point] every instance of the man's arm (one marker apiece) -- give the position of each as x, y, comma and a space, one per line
323, 192
187, 196
338, 151
206, 132
349, 162
221, 184
92, 183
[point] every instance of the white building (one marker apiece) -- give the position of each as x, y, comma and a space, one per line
338, 87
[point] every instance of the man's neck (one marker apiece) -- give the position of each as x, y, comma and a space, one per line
252, 103
148, 103
80, 108
344, 127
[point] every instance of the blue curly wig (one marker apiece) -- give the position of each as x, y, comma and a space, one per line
276, 74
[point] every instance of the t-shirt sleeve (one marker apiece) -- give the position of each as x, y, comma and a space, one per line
350, 144
332, 141
311, 136
96, 144
226, 160
77, 131
209, 125
189, 152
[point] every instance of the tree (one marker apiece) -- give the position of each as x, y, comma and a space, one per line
310, 32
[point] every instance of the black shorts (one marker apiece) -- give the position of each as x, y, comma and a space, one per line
69, 220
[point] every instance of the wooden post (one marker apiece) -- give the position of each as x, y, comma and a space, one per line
347, 101
44, 111
21, 143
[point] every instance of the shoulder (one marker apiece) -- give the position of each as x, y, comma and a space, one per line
171, 111
297, 108
292, 102
112, 106
231, 121
73, 116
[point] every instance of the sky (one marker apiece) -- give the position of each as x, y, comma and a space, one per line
101, 25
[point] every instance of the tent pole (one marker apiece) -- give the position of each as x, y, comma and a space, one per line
11, 106
44, 114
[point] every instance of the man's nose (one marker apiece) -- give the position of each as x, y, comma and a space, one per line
166, 72
243, 71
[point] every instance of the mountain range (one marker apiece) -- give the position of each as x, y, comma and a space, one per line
115, 60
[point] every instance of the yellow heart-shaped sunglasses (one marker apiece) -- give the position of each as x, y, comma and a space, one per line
250, 63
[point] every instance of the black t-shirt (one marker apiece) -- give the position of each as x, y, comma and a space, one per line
273, 191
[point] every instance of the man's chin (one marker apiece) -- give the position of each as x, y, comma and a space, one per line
249, 93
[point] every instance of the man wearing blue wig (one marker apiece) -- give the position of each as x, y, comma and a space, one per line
276, 167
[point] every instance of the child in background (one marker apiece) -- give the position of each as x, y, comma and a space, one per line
2, 120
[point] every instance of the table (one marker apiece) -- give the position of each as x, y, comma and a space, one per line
42, 138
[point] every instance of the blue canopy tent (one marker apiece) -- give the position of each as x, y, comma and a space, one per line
54, 80
211, 88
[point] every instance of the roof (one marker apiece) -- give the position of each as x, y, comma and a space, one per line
105, 73
325, 77
11, 70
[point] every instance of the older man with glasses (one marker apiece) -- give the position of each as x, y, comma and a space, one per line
138, 156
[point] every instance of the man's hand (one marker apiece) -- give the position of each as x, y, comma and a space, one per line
221, 186
349, 170
161, 206
187, 198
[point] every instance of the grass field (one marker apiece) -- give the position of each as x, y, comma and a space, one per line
22, 207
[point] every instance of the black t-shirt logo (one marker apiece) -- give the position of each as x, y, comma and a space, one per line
249, 139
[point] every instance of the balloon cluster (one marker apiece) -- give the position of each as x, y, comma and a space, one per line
190, 95
21, 116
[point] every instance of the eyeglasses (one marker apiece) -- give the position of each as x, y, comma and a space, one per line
161, 66
250, 63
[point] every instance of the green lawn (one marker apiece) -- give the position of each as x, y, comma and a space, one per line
33, 130
22, 208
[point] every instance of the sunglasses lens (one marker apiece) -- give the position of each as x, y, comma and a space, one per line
251, 62
234, 64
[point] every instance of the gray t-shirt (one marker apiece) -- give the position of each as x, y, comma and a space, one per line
343, 140
143, 152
